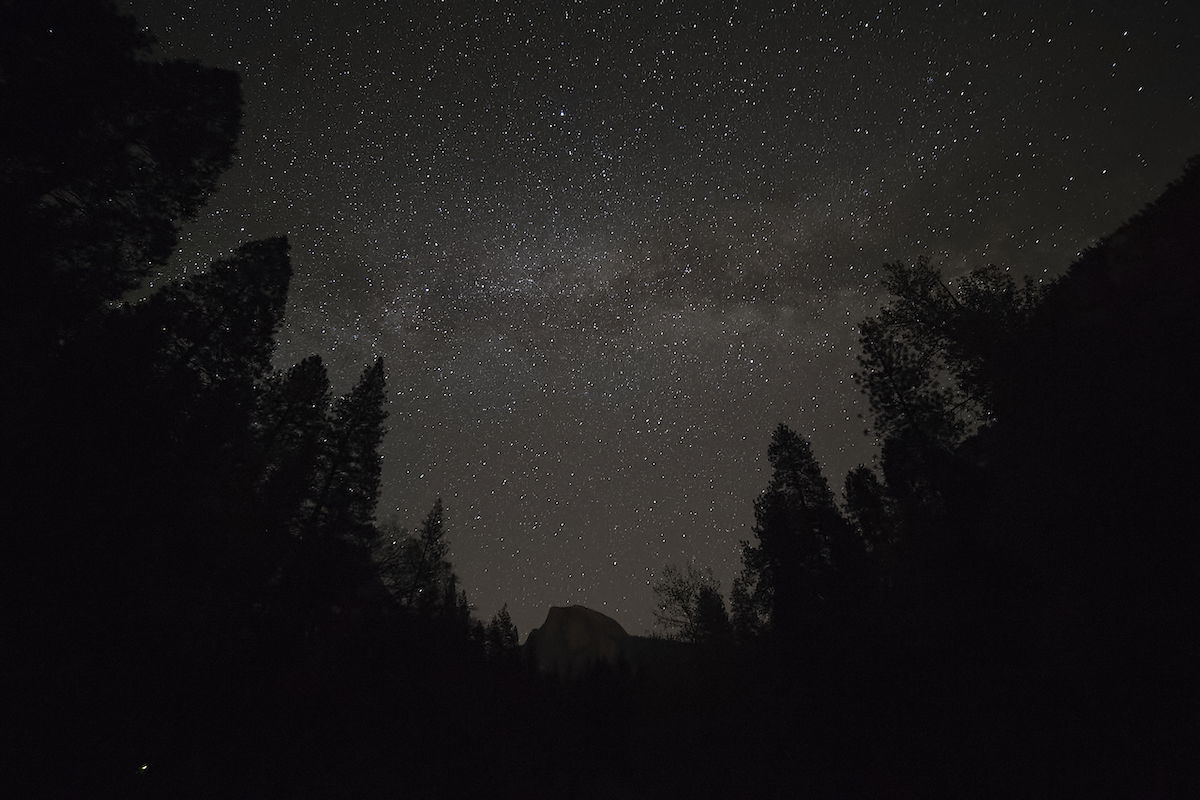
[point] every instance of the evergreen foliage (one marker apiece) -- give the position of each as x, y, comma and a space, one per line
710, 621
502, 636
797, 527
429, 566
104, 152
746, 617
348, 464
199, 592
291, 425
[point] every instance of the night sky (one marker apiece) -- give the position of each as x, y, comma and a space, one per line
605, 249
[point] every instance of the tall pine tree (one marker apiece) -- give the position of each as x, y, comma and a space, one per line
430, 565
796, 525
502, 637
745, 615
290, 426
347, 491
330, 568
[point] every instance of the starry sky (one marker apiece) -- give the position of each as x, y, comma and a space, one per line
605, 247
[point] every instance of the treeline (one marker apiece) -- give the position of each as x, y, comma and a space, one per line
202, 602
1007, 601
191, 558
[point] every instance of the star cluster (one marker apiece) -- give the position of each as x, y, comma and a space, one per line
604, 248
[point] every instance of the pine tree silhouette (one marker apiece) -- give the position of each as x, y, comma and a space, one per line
796, 522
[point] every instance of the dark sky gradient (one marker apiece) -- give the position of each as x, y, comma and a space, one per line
604, 249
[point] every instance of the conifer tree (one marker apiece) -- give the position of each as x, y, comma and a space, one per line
290, 426
710, 621
349, 468
796, 524
330, 563
393, 556
430, 568
174, 385
215, 335
454, 608
866, 505
745, 617
220, 325
188, 365
502, 636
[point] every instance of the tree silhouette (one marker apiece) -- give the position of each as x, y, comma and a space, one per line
393, 556
291, 425
193, 571
349, 467
796, 524
454, 609
930, 358
188, 547
933, 367
710, 621
103, 154
330, 564
173, 389
746, 617
866, 505
676, 595
502, 636
202, 347
430, 567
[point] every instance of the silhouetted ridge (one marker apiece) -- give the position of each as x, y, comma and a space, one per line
574, 639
